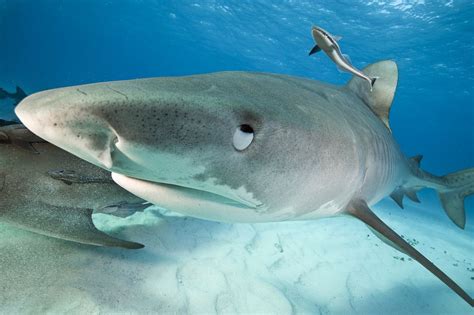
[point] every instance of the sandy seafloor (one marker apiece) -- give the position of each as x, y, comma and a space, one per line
330, 266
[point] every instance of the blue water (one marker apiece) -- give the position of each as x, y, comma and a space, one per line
52, 43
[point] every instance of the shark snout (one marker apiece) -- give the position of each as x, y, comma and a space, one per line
36, 113
66, 122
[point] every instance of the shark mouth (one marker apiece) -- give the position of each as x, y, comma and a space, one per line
189, 201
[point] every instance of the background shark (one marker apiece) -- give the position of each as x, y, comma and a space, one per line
34, 200
16, 96
248, 147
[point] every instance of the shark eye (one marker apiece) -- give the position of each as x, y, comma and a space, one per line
243, 137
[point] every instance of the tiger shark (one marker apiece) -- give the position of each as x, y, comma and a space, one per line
49, 191
249, 147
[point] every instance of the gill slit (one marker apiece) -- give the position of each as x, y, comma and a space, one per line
361, 162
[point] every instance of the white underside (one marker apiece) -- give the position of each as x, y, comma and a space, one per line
196, 203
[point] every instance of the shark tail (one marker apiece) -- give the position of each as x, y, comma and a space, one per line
452, 189
458, 186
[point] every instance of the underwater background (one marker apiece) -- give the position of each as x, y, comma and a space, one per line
196, 266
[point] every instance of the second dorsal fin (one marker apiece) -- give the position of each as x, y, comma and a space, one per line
381, 97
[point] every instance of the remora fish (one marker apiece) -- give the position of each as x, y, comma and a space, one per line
327, 43
248, 147
31, 199
70, 176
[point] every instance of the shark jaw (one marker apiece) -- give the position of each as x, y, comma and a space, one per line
97, 142
193, 202
91, 137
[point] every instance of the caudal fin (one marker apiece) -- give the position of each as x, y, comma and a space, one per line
458, 186
452, 189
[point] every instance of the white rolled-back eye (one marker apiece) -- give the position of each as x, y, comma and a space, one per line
243, 137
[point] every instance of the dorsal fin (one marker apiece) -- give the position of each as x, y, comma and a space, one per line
417, 159
381, 97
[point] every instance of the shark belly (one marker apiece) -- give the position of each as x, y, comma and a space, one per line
192, 202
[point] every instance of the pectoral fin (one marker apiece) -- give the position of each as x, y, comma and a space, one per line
360, 210
67, 223
314, 50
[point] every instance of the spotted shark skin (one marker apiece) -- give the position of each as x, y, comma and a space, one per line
316, 150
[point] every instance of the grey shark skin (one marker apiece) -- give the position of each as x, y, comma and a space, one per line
327, 43
31, 199
248, 147
17, 134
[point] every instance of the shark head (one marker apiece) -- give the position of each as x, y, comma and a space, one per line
248, 144
323, 39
